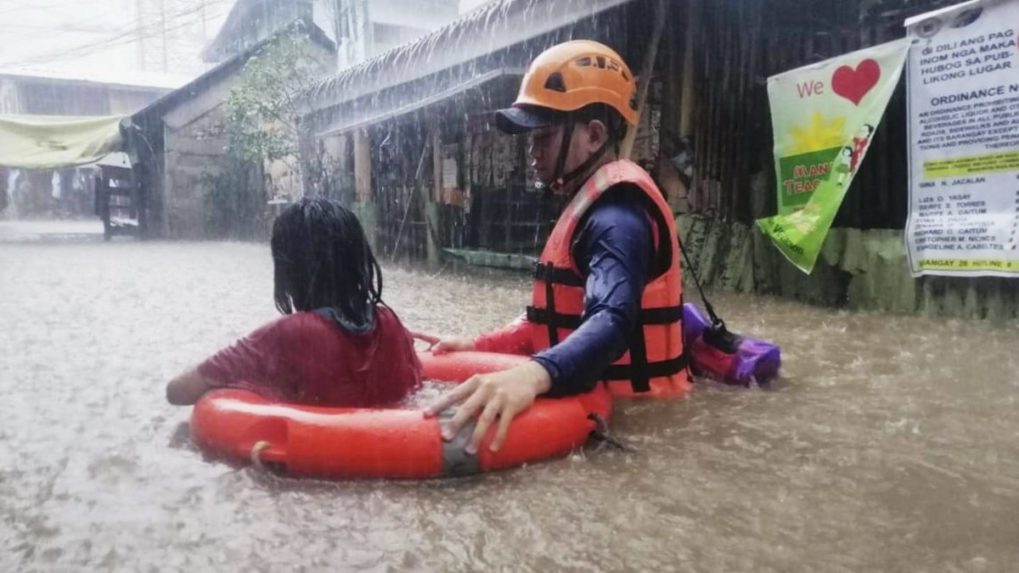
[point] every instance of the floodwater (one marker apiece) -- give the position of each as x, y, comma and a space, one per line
890, 443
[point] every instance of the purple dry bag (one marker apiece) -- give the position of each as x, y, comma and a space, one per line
721, 355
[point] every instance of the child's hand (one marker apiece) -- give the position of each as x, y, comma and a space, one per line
443, 345
431, 339
452, 345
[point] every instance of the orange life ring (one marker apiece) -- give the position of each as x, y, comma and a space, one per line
315, 441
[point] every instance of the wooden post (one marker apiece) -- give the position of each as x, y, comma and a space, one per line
644, 82
362, 167
364, 206
162, 174
429, 201
686, 99
435, 135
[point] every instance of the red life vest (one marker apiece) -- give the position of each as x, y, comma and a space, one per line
655, 362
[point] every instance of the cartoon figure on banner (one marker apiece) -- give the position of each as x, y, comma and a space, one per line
860, 143
843, 164
849, 157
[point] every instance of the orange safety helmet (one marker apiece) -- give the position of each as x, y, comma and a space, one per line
568, 77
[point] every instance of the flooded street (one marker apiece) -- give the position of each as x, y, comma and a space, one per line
890, 443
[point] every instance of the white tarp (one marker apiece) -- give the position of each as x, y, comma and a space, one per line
51, 142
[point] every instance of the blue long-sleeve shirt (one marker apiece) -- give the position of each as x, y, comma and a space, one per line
613, 249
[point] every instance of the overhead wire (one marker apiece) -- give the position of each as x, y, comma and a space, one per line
32, 6
134, 32
63, 25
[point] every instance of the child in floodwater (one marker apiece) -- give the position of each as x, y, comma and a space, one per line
337, 343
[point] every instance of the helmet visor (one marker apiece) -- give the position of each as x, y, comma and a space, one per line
525, 118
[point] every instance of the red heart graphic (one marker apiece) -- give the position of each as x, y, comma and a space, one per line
854, 84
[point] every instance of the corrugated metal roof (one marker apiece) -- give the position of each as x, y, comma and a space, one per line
216, 73
488, 29
104, 76
356, 118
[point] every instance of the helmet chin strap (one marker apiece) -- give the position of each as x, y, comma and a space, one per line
560, 180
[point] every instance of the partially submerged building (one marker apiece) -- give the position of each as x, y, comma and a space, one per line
181, 147
32, 97
414, 150
252, 22
49, 92
412, 129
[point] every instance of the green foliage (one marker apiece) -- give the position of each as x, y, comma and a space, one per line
263, 111
262, 124
235, 202
323, 175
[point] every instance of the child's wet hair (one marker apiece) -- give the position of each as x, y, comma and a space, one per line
322, 260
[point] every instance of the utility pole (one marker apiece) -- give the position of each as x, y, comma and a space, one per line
162, 24
140, 6
205, 35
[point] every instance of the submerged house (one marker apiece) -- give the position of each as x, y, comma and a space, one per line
251, 22
29, 96
413, 148
49, 92
411, 131
181, 148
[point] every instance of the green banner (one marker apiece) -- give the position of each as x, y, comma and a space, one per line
824, 116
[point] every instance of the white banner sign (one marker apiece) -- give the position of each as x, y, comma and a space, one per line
964, 140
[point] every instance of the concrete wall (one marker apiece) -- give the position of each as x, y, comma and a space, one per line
9, 101
368, 214
193, 156
194, 152
197, 150
863, 270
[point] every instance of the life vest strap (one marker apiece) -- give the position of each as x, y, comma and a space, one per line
553, 328
653, 369
640, 371
549, 273
640, 380
547, 316
661, 315
648, 316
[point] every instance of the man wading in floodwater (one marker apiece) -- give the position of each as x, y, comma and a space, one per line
608, 280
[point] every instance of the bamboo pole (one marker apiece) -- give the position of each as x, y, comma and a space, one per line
417, 188
429, 201
644, 81
362, 167
687, 94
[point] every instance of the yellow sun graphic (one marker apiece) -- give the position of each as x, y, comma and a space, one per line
820, 134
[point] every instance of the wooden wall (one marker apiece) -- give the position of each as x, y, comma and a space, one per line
709, 84
735, 46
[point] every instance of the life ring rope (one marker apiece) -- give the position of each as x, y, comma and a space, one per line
395, 443
256, 454
602, 434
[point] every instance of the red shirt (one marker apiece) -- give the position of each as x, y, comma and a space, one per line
310, 359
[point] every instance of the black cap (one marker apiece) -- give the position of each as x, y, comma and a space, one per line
524, 118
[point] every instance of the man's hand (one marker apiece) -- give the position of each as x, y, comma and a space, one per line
498, 395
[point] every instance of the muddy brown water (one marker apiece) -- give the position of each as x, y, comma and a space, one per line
890, 443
